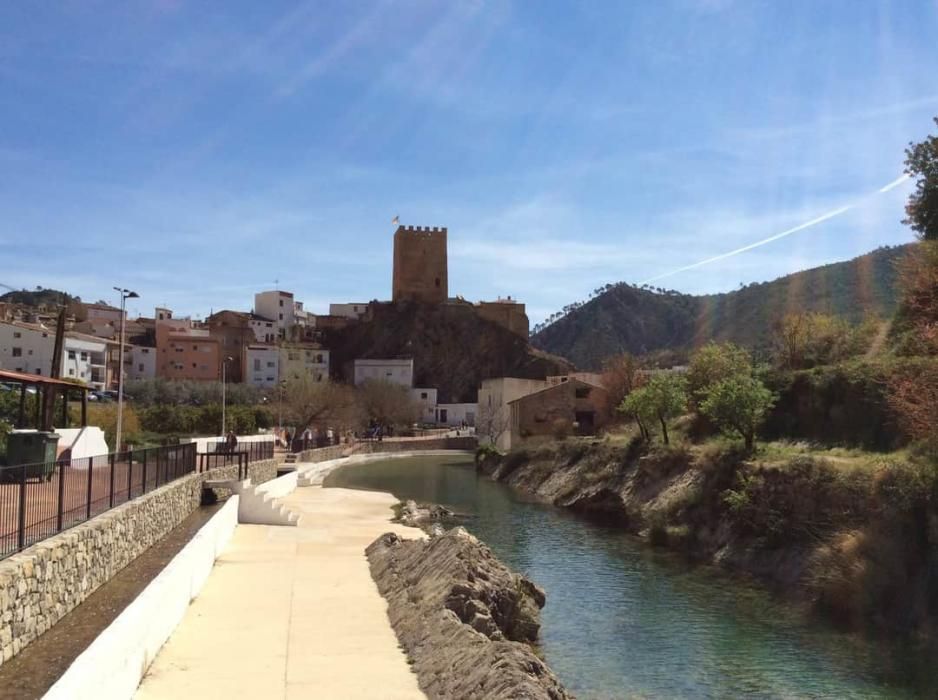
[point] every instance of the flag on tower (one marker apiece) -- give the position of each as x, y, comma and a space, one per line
396, 220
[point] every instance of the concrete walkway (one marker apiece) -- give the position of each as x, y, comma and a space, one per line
292, 612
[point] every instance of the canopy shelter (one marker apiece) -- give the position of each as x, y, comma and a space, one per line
47, 389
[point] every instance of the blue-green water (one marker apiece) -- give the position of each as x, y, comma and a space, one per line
624, 621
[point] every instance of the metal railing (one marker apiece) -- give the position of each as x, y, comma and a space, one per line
43, 499
255, 451
220, 454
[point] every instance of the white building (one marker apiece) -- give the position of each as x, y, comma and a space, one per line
265, 331
277, 306
304, 359
139, 362
262, 365
103, 312
394, 371
351, 309
29, 348
426, 399
456, 414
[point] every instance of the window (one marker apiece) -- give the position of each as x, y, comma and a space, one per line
19, 369
319, 359
71, 371
38, 370
281, 317
582, 392
17, 352
71, 354
17, 334
193, 365
140, 367
84, 357
257, 365
437, 281
146, 351
270, 379
195, 347
270, 364
281, 304
423, 394
178, 349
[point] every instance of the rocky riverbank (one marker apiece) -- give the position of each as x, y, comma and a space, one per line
465, 620
856, 545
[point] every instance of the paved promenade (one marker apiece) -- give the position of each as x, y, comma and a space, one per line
292, 612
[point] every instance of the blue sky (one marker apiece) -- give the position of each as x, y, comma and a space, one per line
199, 151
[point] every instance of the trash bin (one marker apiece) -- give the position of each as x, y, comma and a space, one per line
34, 448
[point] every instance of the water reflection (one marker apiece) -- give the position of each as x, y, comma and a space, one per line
625, 621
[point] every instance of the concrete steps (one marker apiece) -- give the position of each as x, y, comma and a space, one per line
254, 506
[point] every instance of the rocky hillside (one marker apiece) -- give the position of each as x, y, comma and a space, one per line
855, 544
631, 319
453, 348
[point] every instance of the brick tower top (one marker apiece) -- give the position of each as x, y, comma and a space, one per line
420, 266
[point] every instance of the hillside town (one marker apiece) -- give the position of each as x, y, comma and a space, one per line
278, 341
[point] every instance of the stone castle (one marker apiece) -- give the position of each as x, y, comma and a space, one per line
420, 274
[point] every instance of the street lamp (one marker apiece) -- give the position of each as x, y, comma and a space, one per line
125, 295
224, 379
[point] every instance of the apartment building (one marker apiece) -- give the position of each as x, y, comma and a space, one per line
139, 362
29, 348
186, 352
354, 310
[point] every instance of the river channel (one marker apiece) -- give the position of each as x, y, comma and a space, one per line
625, 621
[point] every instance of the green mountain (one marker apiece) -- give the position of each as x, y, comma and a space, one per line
626, 318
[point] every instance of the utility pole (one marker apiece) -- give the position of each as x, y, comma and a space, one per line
224, 382
48, 391
125, 295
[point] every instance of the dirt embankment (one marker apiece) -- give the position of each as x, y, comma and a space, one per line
465, 620
859, 546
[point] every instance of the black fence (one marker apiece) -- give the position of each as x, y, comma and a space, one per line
253, 451
40, 500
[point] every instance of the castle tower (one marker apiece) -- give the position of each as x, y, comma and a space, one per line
420, 265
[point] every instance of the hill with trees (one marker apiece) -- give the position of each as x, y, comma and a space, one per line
642, 319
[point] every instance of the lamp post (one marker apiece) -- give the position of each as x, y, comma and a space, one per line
125, 295
224, 381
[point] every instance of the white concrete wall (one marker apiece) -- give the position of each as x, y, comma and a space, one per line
394, 371
113, 665
83, 442
349, 309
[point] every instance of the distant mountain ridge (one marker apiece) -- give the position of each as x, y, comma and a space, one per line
626, 318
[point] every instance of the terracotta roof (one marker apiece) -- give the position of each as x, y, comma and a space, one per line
24, 378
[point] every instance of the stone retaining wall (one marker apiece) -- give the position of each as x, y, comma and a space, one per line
41, 584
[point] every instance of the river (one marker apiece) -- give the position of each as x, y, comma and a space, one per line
625, 621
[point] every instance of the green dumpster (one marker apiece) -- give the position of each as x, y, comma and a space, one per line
34, 448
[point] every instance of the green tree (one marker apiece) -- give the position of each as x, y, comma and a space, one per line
738, 404
921, 162
664, 397
713, 363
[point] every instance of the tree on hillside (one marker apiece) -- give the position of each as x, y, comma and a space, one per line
386, 404
921, 162
805, 339
664, 397
913, 396
713, 363
738, 404
918, 283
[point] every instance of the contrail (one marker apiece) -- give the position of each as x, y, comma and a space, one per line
800, 227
